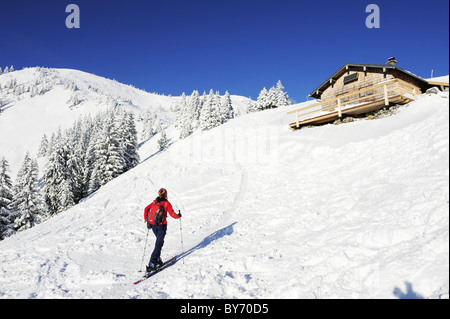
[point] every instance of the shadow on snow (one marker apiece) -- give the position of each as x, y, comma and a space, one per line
226, 231
408, 294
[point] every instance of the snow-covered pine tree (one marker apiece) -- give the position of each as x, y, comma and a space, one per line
184, 118
73, 101
185, 128
51, 143
194, 106
202, 102
6, 196
109, 160
26, 197
89, 159
281, 99
75, 159
43, 148
272, 98
147, 125
163, 142
6, 223
251, 106
58, 180
97, 127
237, 112
209, 117
182, 111
128, 141
227, 106
5, 184
222, 109
263, 101
217, 106
158, 127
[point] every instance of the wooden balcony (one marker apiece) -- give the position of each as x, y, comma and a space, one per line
360, 101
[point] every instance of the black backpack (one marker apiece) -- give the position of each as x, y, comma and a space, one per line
157, 214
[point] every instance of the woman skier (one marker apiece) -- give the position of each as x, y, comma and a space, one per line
155, 215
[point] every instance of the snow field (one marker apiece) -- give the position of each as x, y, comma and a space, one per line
358, 210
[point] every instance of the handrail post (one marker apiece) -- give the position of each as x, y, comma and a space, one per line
386, 98
339, 108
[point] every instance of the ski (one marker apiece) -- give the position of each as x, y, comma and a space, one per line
166, 264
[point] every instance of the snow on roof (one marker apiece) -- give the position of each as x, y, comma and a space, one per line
441, 79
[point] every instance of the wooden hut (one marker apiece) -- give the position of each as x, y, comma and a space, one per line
358, 88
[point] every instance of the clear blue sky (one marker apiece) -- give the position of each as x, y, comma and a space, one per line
175, 46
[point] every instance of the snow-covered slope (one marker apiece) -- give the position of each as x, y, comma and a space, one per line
38, 101
351, 211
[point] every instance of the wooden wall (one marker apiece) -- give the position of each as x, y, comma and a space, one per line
365, 79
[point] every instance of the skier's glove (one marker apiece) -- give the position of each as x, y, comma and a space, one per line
179, 213
149, 226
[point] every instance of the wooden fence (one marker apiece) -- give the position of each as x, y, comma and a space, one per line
384, 92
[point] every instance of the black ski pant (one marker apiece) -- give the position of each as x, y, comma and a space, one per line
160, 233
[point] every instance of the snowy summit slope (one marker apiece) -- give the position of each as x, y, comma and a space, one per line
358, 210
38, 101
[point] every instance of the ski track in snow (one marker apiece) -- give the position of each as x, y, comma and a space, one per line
351, 211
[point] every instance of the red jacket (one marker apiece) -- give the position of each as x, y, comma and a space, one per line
167, 209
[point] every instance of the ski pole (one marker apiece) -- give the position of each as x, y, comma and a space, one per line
145, 247
181, 234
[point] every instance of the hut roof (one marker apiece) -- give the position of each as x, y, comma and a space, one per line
319, 90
